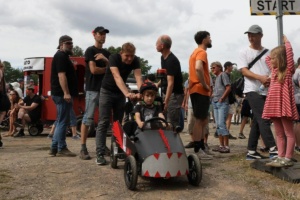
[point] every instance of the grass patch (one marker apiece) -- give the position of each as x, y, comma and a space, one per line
286, 193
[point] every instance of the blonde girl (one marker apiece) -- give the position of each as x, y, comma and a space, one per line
280, 104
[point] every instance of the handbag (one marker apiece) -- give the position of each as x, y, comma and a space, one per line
240, 83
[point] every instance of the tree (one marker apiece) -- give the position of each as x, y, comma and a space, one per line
235, 74
11, 74
145, 67
185, 76
77, 51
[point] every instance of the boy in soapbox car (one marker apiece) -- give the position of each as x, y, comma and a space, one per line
150, 145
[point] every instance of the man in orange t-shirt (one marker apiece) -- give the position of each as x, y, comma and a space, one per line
199, 87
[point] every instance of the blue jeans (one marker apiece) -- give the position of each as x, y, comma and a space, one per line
62, 121
109, 102
221, 112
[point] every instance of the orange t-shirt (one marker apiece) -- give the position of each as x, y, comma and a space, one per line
194, 84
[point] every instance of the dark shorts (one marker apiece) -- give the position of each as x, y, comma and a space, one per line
200, 105
298, 108
246, 109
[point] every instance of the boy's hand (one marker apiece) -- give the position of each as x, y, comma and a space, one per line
141, 124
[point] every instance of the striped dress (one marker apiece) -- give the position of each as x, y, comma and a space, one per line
280, 101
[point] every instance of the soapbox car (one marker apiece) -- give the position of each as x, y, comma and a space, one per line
153, 151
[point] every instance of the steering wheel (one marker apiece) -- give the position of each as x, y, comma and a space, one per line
155, 119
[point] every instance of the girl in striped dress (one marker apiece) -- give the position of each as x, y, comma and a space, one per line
280, 104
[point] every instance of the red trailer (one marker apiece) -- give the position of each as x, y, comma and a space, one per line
41, 67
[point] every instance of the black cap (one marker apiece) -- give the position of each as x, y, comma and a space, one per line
148, 86
100, 29
227, 64
64, 38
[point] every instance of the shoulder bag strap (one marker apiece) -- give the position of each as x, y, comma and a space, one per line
257, 58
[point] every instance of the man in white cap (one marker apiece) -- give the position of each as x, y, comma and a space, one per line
256, 76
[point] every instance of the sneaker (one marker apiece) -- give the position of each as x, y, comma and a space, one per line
208, 152
50, 136
100, 160
231, 137
84, 155
76, 137
20, 133
189, 145
264, 149
52, 152
1, 143
206, 146
242, 136
18, 123
254, 156
274, 153
297, 150
217, 149
224, 150
203, 156
280, 162
107, 151
65, 153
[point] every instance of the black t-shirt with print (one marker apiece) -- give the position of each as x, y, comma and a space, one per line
115, 60
93, 81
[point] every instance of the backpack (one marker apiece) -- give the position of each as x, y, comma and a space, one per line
231, 95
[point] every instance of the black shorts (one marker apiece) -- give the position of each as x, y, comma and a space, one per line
200, 104
246, 109
298, 108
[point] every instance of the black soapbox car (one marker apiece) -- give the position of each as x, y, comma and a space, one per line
153, 151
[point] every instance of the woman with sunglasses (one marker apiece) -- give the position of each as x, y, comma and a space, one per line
14, 100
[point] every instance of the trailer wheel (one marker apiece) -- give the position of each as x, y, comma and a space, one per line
195, 170
130, 172
113, 157
33, 130
91, 130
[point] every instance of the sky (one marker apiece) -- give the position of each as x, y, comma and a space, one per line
31, 28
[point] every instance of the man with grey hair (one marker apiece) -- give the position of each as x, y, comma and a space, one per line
173, 94
255, 77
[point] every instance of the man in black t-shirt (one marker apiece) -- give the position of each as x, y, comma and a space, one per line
113, 92
96, 59
63, 88
174, 90
29, 110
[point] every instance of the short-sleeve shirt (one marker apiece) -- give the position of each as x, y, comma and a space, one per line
220, 86
194, 83
93, 81
296, 77
115, 60
172, 65
246, 56
34, 114
147, 113
61, 63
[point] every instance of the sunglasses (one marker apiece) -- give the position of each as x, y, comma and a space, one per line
68, 43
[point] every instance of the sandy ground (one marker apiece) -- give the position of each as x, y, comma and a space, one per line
27, 172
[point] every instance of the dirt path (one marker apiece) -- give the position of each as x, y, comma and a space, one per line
27, 172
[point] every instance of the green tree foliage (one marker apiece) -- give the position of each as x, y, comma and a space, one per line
235, 74
77, 51
145, 67
185, 76
11, 74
